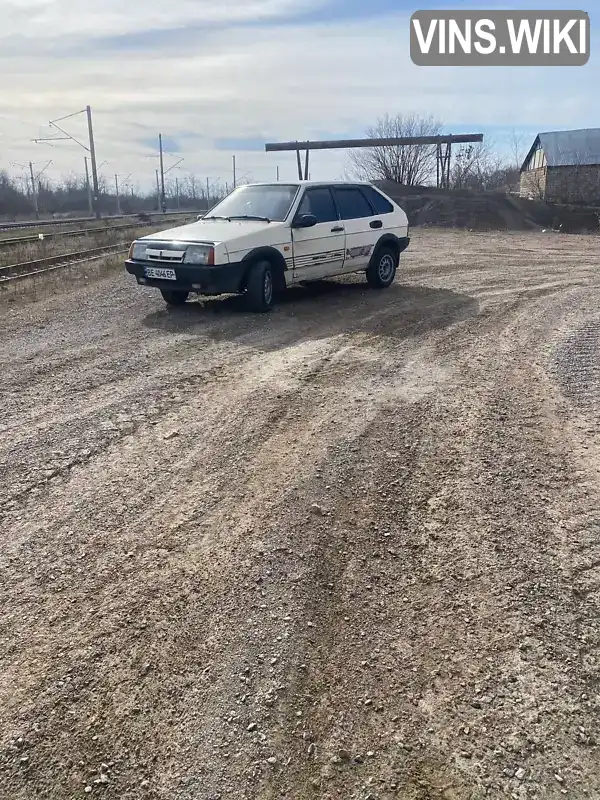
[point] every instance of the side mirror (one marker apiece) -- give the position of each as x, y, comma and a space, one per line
200, 216
305, 221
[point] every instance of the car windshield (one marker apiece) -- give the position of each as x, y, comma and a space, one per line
268, 202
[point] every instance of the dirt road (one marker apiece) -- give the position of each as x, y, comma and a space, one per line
347, 550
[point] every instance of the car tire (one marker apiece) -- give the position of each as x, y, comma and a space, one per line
174, 297
260, 287
382, 269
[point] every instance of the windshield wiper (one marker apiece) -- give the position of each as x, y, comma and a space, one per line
250, 216
213, 217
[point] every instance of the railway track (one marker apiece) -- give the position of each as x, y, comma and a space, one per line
74, 220
27, 269
18, 240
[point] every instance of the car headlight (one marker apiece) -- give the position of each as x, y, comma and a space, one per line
137, 251
200, 254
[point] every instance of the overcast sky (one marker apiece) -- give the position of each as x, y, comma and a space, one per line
218, 77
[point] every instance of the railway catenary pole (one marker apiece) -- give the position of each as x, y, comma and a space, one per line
93, 160
88, 186
34, 192
163, 204
91, 150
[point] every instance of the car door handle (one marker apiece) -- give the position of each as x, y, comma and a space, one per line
337, 229
377, 223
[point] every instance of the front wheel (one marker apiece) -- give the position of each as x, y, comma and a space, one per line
259, 288
382, 269
174, 297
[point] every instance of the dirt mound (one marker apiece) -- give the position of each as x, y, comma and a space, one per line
426, 205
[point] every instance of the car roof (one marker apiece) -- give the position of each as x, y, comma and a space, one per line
311, 183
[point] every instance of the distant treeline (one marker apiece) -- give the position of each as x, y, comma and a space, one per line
70, 197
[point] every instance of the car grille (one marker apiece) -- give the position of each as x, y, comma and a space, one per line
164, 255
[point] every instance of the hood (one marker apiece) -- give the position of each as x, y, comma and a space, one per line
212, 231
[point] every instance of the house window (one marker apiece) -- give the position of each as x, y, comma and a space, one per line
537, 159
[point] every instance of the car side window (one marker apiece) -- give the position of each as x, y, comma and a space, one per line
378, 201
319, 202
352, 203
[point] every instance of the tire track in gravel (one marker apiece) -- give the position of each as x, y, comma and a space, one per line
75, 506
73, 499
530, 682
472, 606
576, 364
325, 579
207, 633
112, 385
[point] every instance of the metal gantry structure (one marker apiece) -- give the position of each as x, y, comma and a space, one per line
443, 149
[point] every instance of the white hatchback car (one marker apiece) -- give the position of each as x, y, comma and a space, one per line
265, 237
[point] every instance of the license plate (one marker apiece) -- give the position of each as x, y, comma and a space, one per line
160, 273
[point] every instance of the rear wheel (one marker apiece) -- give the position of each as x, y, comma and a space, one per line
382, 269
260, 287
174, 297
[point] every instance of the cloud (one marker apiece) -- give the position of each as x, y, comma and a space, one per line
169, 144
194, 71
62, 19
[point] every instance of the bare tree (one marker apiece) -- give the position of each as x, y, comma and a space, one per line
479, 167
469, 166
500, 177
518, 149
191, 186
410, 164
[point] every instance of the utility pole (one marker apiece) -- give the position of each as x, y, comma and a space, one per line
177, 192
93, 160
88, 186
117, 193
234, 172
163, 204
207, 195
277, 173
33, 192
157, 191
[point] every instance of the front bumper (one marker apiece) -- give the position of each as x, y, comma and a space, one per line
218, 279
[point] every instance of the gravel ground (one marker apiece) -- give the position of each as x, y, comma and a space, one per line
347, 550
